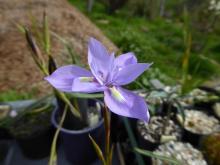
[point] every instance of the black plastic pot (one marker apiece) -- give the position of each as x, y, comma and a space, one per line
147, 145
4, 134
193, 138
4, 149
37, 146
163, 109
118, 124
78, 147
72, 122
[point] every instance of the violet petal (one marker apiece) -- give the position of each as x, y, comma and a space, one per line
126, 103
129, 73
62, 78
100, 61
125, 59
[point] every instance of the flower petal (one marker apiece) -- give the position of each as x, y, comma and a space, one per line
125, 59
100, 61
129, 73
126, 103
86, 85
62, 78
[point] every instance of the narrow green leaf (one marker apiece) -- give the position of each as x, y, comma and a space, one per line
86, 95
120, 154
111, 154
20, 28
46, 34
38, 110
36, 53
35, 28
98, 150
131, 136
53, 154
180, 109
67, 101
157, 156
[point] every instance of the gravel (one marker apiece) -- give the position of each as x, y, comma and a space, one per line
199, 122
154, 131
184, 153
197, 96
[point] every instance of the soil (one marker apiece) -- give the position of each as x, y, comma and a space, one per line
17, 70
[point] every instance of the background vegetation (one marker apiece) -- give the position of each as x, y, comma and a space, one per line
157, 34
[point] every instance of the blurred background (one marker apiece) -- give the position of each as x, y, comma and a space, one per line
182, 40
180, 37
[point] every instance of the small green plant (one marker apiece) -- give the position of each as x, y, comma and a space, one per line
187, 81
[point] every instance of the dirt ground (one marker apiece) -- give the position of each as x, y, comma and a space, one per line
17, 69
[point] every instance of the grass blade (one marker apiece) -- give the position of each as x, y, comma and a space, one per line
53, 155
98, 150
46, 34
140, 160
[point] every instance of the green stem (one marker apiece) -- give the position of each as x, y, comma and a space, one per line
108, 155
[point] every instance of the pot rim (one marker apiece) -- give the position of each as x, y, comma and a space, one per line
82, 131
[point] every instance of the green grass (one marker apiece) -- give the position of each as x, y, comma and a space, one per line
12, 95
159, 41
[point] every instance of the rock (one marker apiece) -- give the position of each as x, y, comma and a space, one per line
17, 70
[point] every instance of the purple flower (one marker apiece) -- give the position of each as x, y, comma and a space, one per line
108, 74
